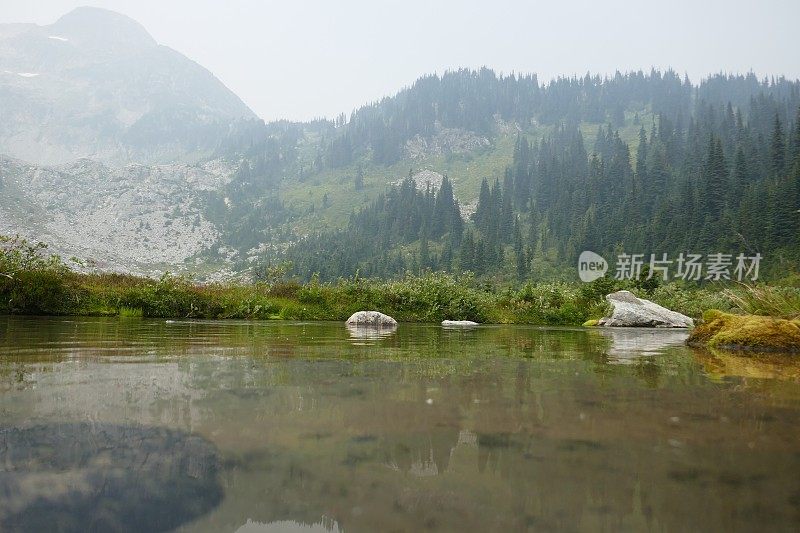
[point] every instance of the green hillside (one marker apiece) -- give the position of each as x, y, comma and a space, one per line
307, 197
649, 163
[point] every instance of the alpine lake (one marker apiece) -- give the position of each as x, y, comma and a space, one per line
115, 424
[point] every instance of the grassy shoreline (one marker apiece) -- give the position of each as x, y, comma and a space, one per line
431, 297
427, 298
32, 283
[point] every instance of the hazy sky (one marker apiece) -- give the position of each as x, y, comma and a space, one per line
304, 59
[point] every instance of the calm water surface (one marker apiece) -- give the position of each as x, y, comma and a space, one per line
152, 425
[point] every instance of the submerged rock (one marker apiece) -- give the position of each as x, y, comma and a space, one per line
630, 311
371, 319
746, 332
95, 476
459, 323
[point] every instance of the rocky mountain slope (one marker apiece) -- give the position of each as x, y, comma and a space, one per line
116, 149
96, 85
135, 218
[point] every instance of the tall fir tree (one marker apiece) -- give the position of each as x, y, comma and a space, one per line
777, 149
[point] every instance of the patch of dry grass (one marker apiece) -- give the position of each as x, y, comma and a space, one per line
781, 302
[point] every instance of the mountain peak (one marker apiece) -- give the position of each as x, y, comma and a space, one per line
102, 27
137, 101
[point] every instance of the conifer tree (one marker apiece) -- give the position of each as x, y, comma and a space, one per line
794, 147
479, 261
483, 209
506, 212
717, 170
521, 262
777, 149
358, 182
715, 177
466, 254
424, 250
740, 173
641, 157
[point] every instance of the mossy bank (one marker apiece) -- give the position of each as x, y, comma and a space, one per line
747, 332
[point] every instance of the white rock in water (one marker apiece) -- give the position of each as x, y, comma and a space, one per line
630, 311
371, 318
458, 323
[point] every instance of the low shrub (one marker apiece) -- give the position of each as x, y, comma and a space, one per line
36, 292
32, 282
284, 289
689, 301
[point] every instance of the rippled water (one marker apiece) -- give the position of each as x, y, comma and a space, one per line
150, 425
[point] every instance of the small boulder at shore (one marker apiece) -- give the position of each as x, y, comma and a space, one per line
371, 319
459, 323
630, 311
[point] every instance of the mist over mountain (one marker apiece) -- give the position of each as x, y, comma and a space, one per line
117, 149
95, 84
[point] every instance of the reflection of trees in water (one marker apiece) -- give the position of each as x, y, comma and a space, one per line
323, 525
47, 339
513, 481
570, 454
103, 477
525, 428
420, 454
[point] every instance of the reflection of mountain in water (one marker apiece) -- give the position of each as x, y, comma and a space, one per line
420, 454
429, 454
325, 525
501, 429
104, 477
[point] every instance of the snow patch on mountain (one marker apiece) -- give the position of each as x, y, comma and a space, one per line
23, 74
